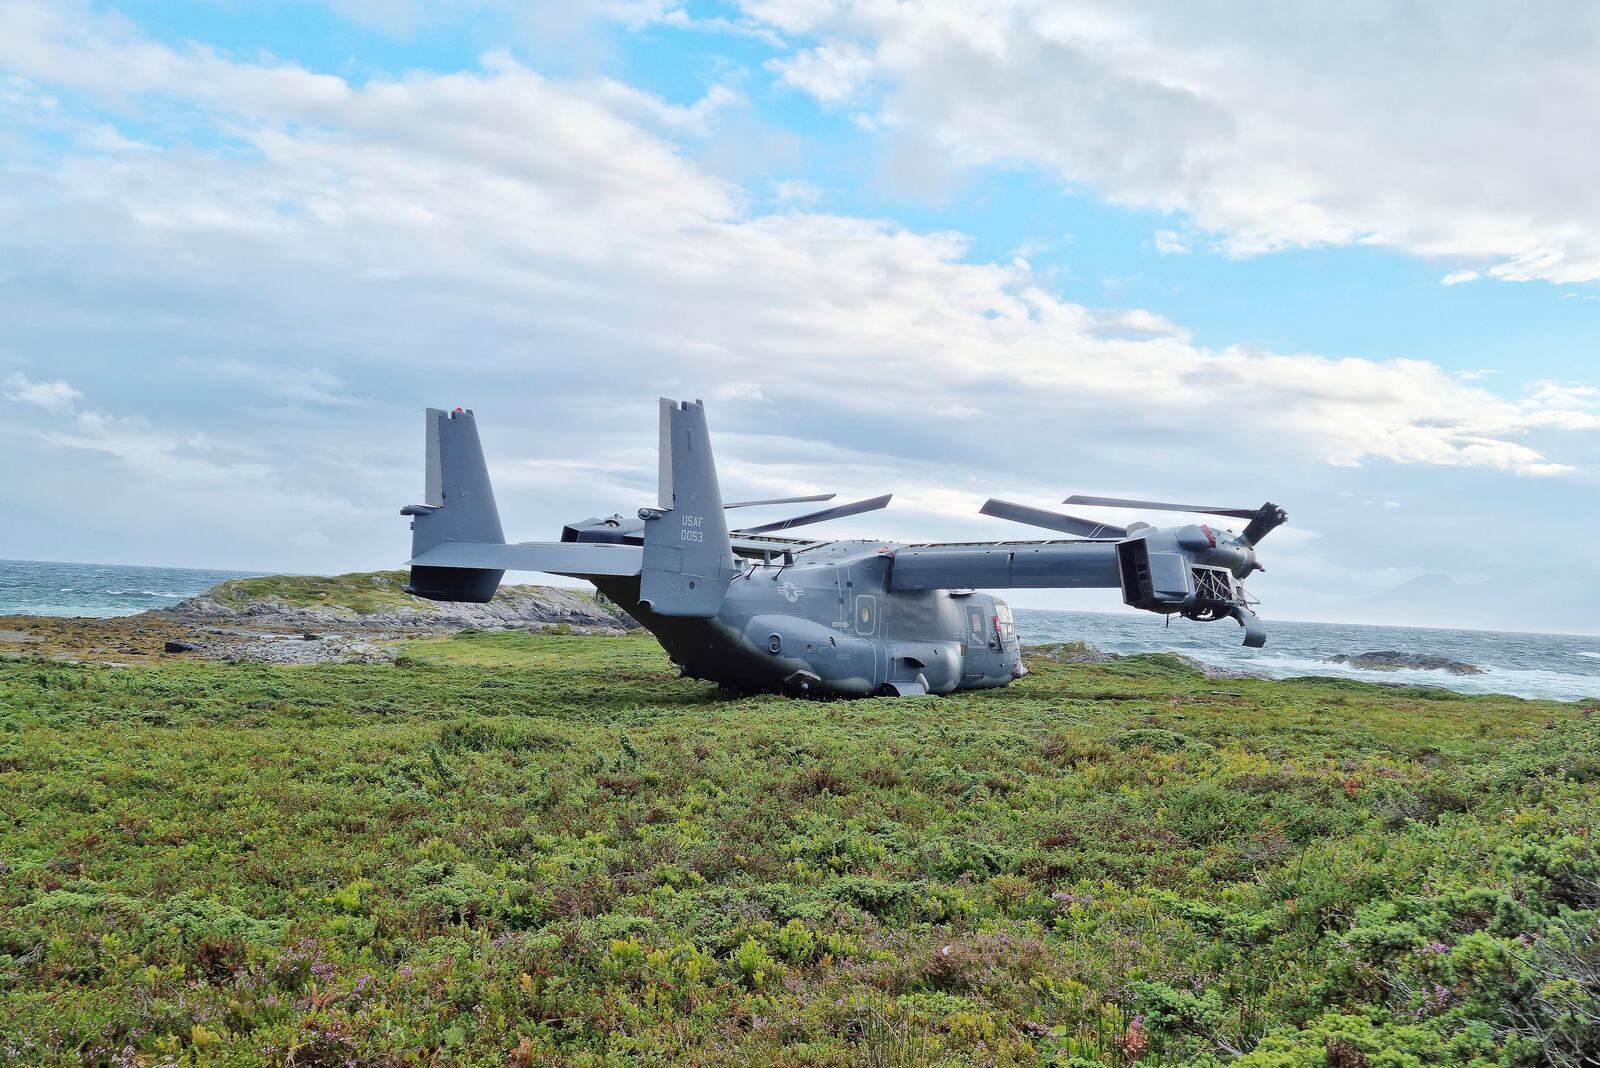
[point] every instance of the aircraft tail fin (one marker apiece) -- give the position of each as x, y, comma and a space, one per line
688, 558
459, 506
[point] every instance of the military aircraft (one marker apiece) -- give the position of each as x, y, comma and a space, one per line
756, 610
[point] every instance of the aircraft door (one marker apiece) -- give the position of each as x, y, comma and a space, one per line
983, 657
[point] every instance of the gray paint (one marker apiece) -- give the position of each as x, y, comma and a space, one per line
460, 509
688, 559
754, 612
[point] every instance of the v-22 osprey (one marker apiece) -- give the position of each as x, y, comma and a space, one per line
754, 609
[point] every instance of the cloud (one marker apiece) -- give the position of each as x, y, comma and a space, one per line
552, 252
1171, 243
54, 396
501, 205
795, 192
1455, 278
833, 74
1424, 130
299, 385
747, 392
182, 459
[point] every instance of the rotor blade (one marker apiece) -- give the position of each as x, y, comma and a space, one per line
838, 511
1255, 631
783, 500
1038, 517
1268, 517
1118, 502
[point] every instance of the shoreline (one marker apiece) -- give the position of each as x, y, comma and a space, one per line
366, 616
282, 619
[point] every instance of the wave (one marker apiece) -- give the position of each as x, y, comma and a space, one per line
1518, 664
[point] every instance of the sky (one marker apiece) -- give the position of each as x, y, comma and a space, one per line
1342, 257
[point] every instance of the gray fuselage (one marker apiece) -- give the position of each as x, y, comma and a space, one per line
828, 625
753, 610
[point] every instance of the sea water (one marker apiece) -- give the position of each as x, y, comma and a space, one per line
39, 588
1565, 667
1561, 666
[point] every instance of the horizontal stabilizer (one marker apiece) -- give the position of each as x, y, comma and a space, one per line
554, 557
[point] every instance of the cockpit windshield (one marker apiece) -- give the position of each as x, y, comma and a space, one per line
1006, 623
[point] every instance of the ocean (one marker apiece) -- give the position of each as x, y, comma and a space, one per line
41, 588
1560, 666
1563, 667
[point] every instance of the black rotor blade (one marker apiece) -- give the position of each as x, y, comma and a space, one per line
1118, 502
783, 500
838, 511
1268, 517
1038, 517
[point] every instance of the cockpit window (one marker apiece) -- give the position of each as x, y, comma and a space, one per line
1008, 626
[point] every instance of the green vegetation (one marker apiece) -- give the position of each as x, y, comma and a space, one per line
361, 591
524, 850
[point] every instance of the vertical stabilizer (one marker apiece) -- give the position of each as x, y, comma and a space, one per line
688, 560
459, 506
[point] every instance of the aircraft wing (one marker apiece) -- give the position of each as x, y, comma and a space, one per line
758, 545
1006, 565
578, 559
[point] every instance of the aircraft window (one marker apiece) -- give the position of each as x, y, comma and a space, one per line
1008, 624
977, 632
865, 606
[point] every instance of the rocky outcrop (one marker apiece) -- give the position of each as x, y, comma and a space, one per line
1067, 653
1084, 653
1396, 660
301, 619
294, 604
297, 619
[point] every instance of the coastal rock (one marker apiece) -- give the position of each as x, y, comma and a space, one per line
346, 602
300, 619
1398, 660
293, 649
1067, 653
1213, 671
1084, 653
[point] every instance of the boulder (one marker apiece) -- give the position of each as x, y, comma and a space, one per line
1399, 660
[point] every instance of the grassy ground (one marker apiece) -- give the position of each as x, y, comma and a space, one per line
523, 850
362, 591
359, 591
